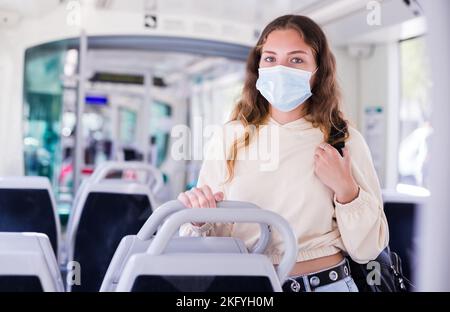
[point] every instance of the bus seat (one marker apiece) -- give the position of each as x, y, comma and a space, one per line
139, 243
161, 270
105, 214
28, 264
27, 205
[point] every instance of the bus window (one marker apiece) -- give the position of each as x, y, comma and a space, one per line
415, 113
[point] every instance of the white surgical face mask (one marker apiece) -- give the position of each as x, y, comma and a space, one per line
284, 87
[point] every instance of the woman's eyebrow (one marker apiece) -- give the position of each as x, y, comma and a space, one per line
297, 52
290, 53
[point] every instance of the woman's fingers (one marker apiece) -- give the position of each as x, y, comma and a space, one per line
324, 146
193, 198
347, 157
219, 196
184, 199
200, 198
319, 151
320, 157
327, 151
209, 196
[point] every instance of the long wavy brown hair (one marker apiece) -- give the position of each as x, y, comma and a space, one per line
322, 109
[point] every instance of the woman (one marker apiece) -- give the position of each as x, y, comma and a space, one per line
333, 203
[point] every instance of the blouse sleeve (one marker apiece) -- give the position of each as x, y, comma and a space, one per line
362, 222
213, 174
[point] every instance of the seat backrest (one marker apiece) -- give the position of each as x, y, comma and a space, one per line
140, 243
27, 205
153, 178
199, 273
28, 264
106, 213
131, 245
160, 270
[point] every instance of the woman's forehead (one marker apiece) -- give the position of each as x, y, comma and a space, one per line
285, 41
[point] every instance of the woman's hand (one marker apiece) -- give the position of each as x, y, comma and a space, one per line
200, 197
335, 172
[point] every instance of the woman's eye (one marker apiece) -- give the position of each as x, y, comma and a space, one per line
269, 59
296, 60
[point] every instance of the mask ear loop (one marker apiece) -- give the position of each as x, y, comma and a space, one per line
313, 73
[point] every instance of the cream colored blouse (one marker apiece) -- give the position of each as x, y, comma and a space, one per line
276, 172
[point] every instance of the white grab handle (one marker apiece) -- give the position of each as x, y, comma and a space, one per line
175, 220
102, 171
161, 213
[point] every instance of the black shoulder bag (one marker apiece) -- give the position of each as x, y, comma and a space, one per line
383, 274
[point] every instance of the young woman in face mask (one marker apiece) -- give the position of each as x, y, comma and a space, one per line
291, 102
